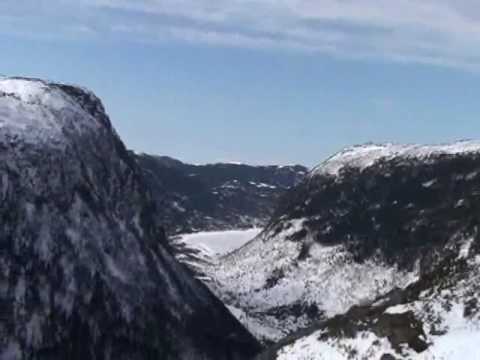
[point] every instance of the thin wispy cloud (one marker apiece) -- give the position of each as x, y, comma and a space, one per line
439, 32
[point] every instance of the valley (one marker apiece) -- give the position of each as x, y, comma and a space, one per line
357, 264
111, 254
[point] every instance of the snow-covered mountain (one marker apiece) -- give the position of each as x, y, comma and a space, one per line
375, 252
216, 197
85, 268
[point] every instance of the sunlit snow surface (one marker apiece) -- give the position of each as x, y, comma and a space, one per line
329, 279
334, 282
366, 345
202, 251
456, 338
460, 341
218, 243
363, 156
38, 112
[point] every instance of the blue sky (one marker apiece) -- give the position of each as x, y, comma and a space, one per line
285, 81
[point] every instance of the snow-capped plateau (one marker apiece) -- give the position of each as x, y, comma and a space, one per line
341, 240
215, 197
363, 156
38, 111
86, 271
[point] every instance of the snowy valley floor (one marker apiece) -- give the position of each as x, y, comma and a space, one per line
441, 308
219, 243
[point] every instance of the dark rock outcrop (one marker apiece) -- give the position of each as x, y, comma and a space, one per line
216, 196
85, 268
405, 208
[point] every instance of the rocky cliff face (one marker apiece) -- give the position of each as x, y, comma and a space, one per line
369, 220
216, 196
85, 269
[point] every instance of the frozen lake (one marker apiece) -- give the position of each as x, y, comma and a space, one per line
219, 243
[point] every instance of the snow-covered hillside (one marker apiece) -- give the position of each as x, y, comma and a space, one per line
352, 232
279, 294
363, 156
436, 318
85, 268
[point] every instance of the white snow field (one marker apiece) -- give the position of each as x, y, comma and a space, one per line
202, 251
219, 243
38, 112
364, 156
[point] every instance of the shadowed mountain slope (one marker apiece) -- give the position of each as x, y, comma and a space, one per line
85, 268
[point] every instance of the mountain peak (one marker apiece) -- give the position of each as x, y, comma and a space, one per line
36, 111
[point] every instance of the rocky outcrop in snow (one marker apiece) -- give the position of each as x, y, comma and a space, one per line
85, 269
435, 318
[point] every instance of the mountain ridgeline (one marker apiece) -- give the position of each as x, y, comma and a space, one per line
85, 268
403, 208
216, 196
